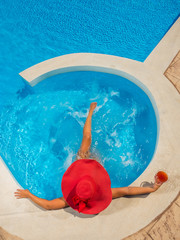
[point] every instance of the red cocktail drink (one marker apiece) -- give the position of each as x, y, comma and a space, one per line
162, 176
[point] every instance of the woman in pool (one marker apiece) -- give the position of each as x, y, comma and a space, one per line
86, 185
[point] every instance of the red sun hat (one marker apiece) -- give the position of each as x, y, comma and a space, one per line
86, 186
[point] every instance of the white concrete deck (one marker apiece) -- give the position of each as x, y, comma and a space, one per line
124, 216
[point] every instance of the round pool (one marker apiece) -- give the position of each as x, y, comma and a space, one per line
42, 131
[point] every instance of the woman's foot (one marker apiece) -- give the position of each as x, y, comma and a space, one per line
92, 106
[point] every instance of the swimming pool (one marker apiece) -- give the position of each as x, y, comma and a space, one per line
34, 31
42, 131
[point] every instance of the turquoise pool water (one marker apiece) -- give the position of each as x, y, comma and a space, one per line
41, 132
34, 31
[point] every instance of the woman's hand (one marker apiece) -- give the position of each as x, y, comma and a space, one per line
22, 193
157, 183
46, 204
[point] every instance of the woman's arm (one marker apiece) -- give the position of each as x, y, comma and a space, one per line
57, 203
127, 191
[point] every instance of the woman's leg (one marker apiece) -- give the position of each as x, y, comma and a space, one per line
86, 141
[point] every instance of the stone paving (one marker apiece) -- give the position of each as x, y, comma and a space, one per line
173, 72
4, 235
165, 227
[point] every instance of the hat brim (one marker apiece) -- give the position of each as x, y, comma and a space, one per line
80, 169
